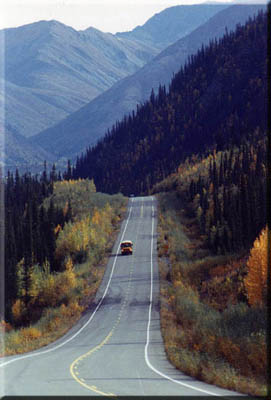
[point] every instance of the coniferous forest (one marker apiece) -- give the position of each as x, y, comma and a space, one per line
229, 198
216, 101
29, 227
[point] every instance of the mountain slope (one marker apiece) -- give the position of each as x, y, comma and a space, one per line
174, 23
87, 125
217, 101
63, 69
21, 154
52, 67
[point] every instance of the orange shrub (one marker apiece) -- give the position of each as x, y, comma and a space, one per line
73, 309
30, 333
228, 349
18, 311
5, 326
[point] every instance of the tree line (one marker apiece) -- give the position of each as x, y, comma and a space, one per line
29, 226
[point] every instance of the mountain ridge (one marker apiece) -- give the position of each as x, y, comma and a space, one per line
95, 118
63, 67
66, 68
162, 29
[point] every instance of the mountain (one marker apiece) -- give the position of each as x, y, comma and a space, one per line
167, 27
84, 127
217, 101
52, 70
21, 154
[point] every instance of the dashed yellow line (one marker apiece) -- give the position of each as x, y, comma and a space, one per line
74, 364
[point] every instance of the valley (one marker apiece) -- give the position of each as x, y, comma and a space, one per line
169, 152
84, 81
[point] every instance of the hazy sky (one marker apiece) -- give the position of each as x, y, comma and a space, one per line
105, 15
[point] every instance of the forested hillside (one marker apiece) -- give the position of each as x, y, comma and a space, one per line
226, 194
216, 101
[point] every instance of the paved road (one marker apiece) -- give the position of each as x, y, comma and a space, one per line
116, 348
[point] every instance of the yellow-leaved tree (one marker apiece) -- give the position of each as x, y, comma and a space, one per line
74, 240
256, 280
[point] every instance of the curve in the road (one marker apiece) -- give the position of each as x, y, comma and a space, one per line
38, 353
118, 326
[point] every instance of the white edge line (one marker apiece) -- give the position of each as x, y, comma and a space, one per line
148, 329
90, 318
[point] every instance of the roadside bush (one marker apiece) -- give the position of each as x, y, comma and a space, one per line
19, 312
212, 332
30, 333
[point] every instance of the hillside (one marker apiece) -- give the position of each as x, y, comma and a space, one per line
92, 121
62, 69
24, 153
208, 106
51, 70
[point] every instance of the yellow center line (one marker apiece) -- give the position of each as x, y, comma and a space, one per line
141, 211
74, 364
81, 381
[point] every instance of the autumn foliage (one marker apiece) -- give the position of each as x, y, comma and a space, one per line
256, 280
47, 301
209, 329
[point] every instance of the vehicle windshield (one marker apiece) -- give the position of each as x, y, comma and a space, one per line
126, 244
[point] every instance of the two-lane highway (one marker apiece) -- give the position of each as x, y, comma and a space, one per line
116, 348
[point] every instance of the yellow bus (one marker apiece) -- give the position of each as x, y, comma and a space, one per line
126, 247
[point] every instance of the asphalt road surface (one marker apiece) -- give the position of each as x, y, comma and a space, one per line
116, 348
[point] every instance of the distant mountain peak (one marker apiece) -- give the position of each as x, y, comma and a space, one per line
91, 29
172, 24
39, 25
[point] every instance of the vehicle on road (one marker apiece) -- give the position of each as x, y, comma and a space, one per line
126, 247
